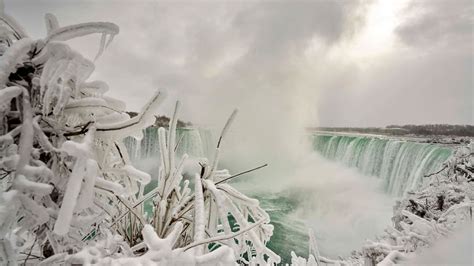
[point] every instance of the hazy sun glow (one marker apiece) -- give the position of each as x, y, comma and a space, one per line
377, 37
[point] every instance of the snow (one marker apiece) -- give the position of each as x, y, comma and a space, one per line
70, 195
13, 56
26, 136
6, 95
73, 31
142, 177
82, 167
21, 183
199, 220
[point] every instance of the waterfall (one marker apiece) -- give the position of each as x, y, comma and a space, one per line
401, 164
195, 142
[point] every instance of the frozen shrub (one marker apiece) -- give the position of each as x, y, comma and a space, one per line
69, 193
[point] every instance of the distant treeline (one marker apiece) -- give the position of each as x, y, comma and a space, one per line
419, 130
437, 129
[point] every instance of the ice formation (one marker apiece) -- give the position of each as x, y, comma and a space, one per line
69, 193
442, 205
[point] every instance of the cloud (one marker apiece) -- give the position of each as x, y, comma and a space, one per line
423, 75
407, 88
275, 60
214, 57
445, 23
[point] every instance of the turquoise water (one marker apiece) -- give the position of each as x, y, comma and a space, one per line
397, 165
401, 164
289, 233
194, 142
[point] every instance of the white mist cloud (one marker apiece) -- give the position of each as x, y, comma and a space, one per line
343, 207
457, 249
285, 65
406, 61
417, 68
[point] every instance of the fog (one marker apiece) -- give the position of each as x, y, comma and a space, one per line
457, 249
287, 66
343, 207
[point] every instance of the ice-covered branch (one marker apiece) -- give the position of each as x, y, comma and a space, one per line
13, 57
67, 179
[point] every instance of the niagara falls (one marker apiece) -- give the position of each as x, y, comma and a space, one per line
242, 132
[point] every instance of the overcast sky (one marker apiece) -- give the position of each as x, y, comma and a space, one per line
332, 63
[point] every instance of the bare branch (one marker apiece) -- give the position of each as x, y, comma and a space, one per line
241, 173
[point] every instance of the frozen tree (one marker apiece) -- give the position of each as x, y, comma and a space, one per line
212, 214
69, 193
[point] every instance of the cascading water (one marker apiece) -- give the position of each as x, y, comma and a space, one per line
343, 206
401, 164
192, 141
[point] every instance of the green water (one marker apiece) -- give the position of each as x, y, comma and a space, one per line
289, 233
194, 142
401, 164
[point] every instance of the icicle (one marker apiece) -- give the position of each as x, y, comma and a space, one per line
199, 217
81, 152
73, 31
209, 172
142, 177
120, 130
113, 187
11, 23
62, 76
238, 196
25, 185
35, 211
94, 88
41, 137
225, 205
101, 46
69, 202
86, 197
227, 126
27, 133
172, 137
6, 96
163, 151
221, 210
173, 182
51, 22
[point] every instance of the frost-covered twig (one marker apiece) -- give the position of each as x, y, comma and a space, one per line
223, 237
241, 173
437, 172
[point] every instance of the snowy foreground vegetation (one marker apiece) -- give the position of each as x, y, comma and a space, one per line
69, 194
